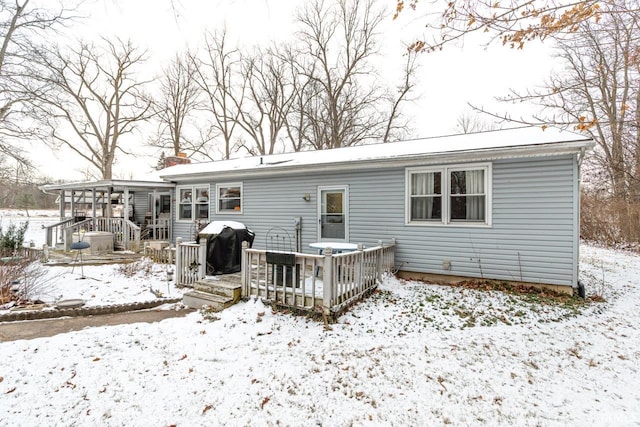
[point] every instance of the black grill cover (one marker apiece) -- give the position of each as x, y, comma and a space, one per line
224, 250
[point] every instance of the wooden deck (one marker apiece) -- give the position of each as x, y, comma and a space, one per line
60, 258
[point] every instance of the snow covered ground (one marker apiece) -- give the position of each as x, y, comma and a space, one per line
103, 285
412, 354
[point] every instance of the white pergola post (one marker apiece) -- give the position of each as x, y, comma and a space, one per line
126, 203
63, 204
93, 207
73, 203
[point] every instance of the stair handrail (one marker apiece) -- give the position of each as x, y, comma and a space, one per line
68, 231
57, 226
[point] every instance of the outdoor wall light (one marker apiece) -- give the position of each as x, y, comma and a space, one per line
306, 197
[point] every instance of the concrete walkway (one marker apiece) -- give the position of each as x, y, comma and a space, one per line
29, 329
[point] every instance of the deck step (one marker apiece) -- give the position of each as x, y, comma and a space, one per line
219, 287
198, 299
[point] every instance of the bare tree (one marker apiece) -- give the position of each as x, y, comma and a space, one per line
471, 122
337, 39
94, 99
270, 94
598, 93
216, 73
395, 130
320, 91
304, 123
178, 100
22, 25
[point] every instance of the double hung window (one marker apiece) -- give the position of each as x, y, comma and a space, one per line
457, 194
193, 202
229, 198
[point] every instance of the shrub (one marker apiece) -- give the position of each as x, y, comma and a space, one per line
12, 238
609, 220
11, 272
22, 281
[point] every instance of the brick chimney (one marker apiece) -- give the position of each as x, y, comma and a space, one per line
180, 159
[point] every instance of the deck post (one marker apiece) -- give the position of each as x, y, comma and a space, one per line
93, 208
327, 281
63, 204
202, 259
244, 269
68, 238
73, 205
359, 268
49, 232
179, 272
380, 263
390, 261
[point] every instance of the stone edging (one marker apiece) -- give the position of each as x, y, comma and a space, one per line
84, 311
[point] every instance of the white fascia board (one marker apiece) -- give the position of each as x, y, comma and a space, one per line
89, 185
535, 150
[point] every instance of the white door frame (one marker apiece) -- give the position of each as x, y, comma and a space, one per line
345, 207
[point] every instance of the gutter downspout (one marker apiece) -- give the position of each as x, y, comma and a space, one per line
578, 286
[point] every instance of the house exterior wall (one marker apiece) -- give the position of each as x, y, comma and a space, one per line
141, 206
532, 237
188, 229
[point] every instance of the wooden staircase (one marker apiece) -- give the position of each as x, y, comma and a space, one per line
217, 293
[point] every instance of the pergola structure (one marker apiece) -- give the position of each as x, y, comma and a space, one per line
102, 191
91, 194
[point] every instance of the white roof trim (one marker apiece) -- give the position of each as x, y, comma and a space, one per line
518, 142
117, 185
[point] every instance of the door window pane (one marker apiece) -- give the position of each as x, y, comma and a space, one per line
332, 215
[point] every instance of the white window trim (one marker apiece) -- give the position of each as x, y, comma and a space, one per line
446, 195
217, 200
194, 202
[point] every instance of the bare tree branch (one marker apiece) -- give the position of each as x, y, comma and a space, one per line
22, 26
512, 22
178, 100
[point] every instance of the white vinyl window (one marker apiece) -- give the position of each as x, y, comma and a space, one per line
456, 194
229, 198
193, 202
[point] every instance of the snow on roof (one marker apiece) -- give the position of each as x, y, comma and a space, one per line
513, 139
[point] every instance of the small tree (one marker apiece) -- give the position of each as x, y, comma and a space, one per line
12, 238
25, 201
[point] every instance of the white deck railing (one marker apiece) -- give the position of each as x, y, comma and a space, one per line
327, 283
296, 285
55, 232
126, 234
191, 262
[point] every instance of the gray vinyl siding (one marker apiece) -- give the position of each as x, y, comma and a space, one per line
141, 206
532, 237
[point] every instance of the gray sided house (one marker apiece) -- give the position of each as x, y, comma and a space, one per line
497, 205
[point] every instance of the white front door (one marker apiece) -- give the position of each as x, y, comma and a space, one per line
333, 218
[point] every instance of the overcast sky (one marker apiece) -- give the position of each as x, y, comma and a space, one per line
448, 80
